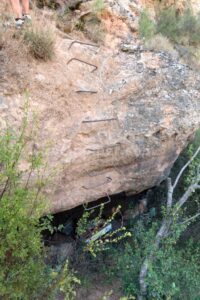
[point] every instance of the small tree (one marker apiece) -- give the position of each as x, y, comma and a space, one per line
23, 272
172, 211
22, 269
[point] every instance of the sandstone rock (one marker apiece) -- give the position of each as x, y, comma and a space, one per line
115, 124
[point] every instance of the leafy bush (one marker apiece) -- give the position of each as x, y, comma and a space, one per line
183, 28
98, 242
40, 41
168, 24
146, 26
23, 272
175, 273
22, 269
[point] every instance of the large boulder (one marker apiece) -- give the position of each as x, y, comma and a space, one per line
116, 116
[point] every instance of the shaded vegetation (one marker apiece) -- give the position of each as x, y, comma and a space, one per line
23, 271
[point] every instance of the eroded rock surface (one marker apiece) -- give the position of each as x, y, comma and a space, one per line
116, 119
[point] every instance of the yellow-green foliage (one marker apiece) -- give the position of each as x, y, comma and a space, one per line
66, 282
102, 243
98, 5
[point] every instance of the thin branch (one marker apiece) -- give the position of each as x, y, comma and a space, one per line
186, 195
190, 219
170, 191
184, 167
162, 232
166, 223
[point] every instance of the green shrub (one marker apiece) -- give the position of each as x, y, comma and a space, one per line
146, 26
183, 28
168, 24
99, 242
40, 41
21, 266
174, 274
23, 272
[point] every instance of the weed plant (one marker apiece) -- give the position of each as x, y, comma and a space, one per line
23, 272
40, 41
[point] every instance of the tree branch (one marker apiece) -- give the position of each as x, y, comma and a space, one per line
184, 167
186, 195
166, 223
169, 194
190, 219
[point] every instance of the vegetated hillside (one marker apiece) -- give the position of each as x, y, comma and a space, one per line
113, 113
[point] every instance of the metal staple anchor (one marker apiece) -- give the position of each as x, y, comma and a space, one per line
86, 91
100, 120
99, 205
85, 62
108, 179
82, 43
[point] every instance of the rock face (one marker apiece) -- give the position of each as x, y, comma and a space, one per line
116, 116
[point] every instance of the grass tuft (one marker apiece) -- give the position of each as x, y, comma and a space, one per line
161, 43
40, 41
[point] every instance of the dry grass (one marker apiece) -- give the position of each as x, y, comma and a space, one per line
40, 40
1, 37
161, 43
95, 34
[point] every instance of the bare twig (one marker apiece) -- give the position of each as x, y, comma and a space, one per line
169, 193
